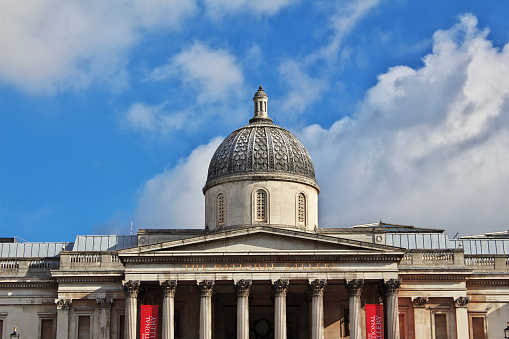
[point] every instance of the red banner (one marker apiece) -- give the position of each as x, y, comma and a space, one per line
148, 322
374, 322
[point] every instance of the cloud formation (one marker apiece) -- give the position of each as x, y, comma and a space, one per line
214, 74
219, 8
295, 73
58, 45
173, 199
428, 146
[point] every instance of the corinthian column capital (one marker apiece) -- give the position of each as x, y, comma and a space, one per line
280, 287
354, 287
63, 304
131, 288
169, 288
206, 287
317, 286
243, 287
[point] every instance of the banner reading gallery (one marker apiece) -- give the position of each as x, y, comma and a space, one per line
374, 321
149, 322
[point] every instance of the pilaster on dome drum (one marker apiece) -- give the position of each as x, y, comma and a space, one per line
261, 151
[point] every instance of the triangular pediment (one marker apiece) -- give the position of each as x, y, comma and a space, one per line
261, 239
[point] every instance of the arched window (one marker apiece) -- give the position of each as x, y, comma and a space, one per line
261, 206
220, 209
301, 209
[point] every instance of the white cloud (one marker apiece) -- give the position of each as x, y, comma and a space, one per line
214, 74
428, 146
219, 8
295, 73
53, 45
174, 198
153, 120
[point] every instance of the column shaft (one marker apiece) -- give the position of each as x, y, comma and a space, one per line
462, 317
104, 317
317, 325
420, 319
63, 306
131, 289
168, 323
206, 287
354, 288
243, 287
390, 295
280, 288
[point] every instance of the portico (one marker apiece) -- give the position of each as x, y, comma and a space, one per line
259, 279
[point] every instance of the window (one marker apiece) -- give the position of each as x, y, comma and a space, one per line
84, 327
47, 329
301, 209
121, 326
261, 206
441, 326
402, 326
477, 325
1, 328
220, 209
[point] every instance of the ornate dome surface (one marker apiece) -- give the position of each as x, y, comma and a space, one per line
261, 151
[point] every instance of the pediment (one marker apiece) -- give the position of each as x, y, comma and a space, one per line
261, 239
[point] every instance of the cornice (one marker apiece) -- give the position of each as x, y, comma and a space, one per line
41, 284
88, 279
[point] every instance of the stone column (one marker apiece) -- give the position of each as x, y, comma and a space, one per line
243, 287
63, 306
280, 288
462, 317
206, 287
131, 289
420, 317
104, 316
316, 290
169, 288
389, 291
354, 288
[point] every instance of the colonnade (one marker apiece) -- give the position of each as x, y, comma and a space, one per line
388, 291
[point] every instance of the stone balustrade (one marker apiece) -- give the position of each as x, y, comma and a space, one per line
453, 259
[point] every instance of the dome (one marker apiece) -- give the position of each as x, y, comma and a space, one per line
261, 150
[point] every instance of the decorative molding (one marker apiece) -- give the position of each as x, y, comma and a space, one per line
420, 302
280, 287
354, 287
243, 287
390, 287
76, 279
29, 285
206, 287
317, 286
131, 288
63, 304
169, 288
104, 303
462, 301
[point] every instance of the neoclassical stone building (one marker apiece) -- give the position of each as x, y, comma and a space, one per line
260, 268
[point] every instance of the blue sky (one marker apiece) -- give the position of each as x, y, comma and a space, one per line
110, 111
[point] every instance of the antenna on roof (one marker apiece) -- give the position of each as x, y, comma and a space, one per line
131, 231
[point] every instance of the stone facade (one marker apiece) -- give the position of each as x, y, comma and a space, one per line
261, 268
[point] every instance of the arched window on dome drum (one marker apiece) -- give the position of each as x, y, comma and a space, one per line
220, 209
261, 206
301, 209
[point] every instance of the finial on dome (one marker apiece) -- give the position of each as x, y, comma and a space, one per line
260, 107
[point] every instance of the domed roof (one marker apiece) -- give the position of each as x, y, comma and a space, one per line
261, 151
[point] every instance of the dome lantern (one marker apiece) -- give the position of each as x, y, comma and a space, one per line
260, 107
